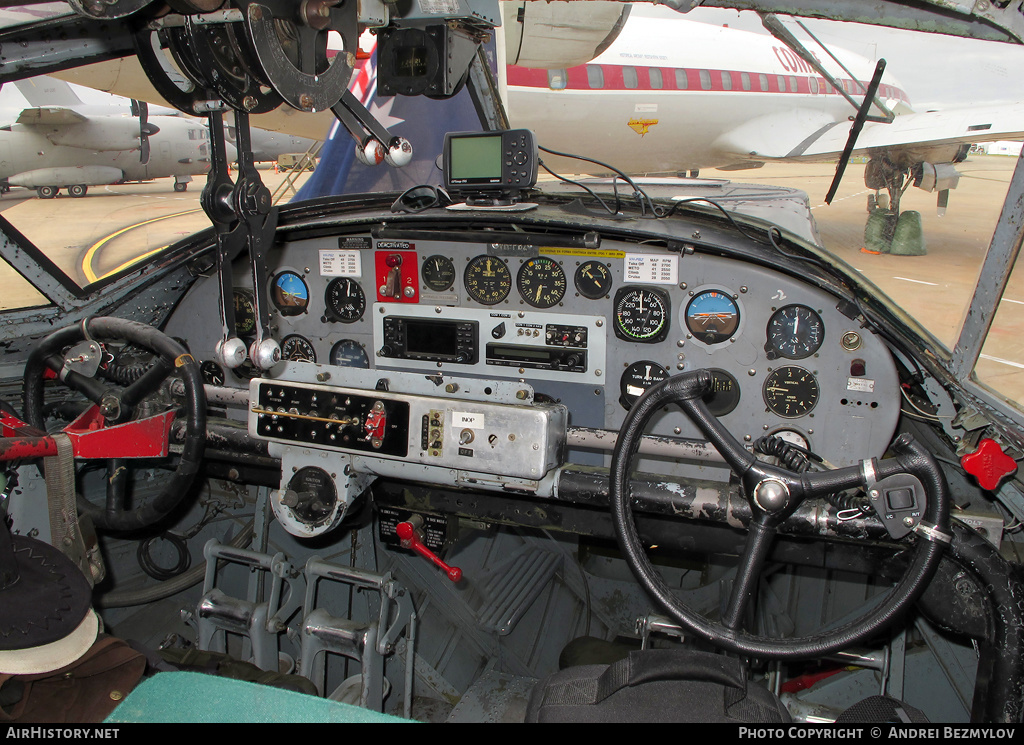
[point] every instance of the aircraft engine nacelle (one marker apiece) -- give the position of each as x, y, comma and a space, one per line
936, 176
68, 176
110, 135
557, 35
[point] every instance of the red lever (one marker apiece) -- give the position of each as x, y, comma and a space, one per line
412, 537
989, 464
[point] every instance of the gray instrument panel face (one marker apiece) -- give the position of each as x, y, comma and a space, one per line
592, 329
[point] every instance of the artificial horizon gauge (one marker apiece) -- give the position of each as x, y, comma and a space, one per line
438, 273
541, 282
790, 391
488, 280
297, 348
344, 300
712, 316
794, 332
290, 293
349, 353
637, 378
245, 312
641, 314
593, 279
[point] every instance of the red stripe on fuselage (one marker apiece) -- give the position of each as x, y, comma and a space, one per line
697, 80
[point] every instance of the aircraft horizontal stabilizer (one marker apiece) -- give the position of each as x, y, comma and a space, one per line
55, 115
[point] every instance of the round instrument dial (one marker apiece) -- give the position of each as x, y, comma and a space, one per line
245, 313
541, 282
637, 378
213, 374
725, 393
790, 391
344, 300
438, 273
349, 353
290, 294
641, 314
795, 332
488, 280
593, 279
712, 316
297, 348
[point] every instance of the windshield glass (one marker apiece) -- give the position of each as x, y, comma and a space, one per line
98, 184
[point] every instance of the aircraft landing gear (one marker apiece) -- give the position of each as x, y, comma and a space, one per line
180, 186
889, 230
78, 190
47, 192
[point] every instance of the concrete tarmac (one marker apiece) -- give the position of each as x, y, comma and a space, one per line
113, 226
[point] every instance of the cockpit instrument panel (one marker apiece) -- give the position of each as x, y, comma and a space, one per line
592, 329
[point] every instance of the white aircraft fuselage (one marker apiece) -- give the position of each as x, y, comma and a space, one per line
648, 104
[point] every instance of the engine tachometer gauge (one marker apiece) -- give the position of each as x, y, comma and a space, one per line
794, 332
488, 280
541, 282
790, 391
290, 293
641, 314
712, 316
344, 300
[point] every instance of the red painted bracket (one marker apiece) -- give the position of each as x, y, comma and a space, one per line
90, 437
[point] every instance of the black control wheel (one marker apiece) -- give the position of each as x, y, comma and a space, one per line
773, 494
118, 402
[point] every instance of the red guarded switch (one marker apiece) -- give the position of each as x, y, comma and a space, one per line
396, 276
412, 538
989, 464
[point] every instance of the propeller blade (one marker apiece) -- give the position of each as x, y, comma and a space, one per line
141, 110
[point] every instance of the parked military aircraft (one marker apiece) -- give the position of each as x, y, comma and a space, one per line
494, 449
58, 142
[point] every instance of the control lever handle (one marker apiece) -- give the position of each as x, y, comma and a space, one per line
410, 533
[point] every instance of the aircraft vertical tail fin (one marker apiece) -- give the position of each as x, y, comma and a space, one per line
46, 91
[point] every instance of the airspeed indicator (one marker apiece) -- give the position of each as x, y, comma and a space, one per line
641, 314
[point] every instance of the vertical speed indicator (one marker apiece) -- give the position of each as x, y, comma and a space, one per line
642, 314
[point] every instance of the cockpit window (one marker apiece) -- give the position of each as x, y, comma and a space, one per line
1000, 366
17, 291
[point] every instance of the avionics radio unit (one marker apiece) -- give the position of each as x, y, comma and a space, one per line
506, 344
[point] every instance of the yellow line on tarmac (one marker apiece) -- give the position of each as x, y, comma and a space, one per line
90, 254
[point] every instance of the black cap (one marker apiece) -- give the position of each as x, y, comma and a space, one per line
44, 597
